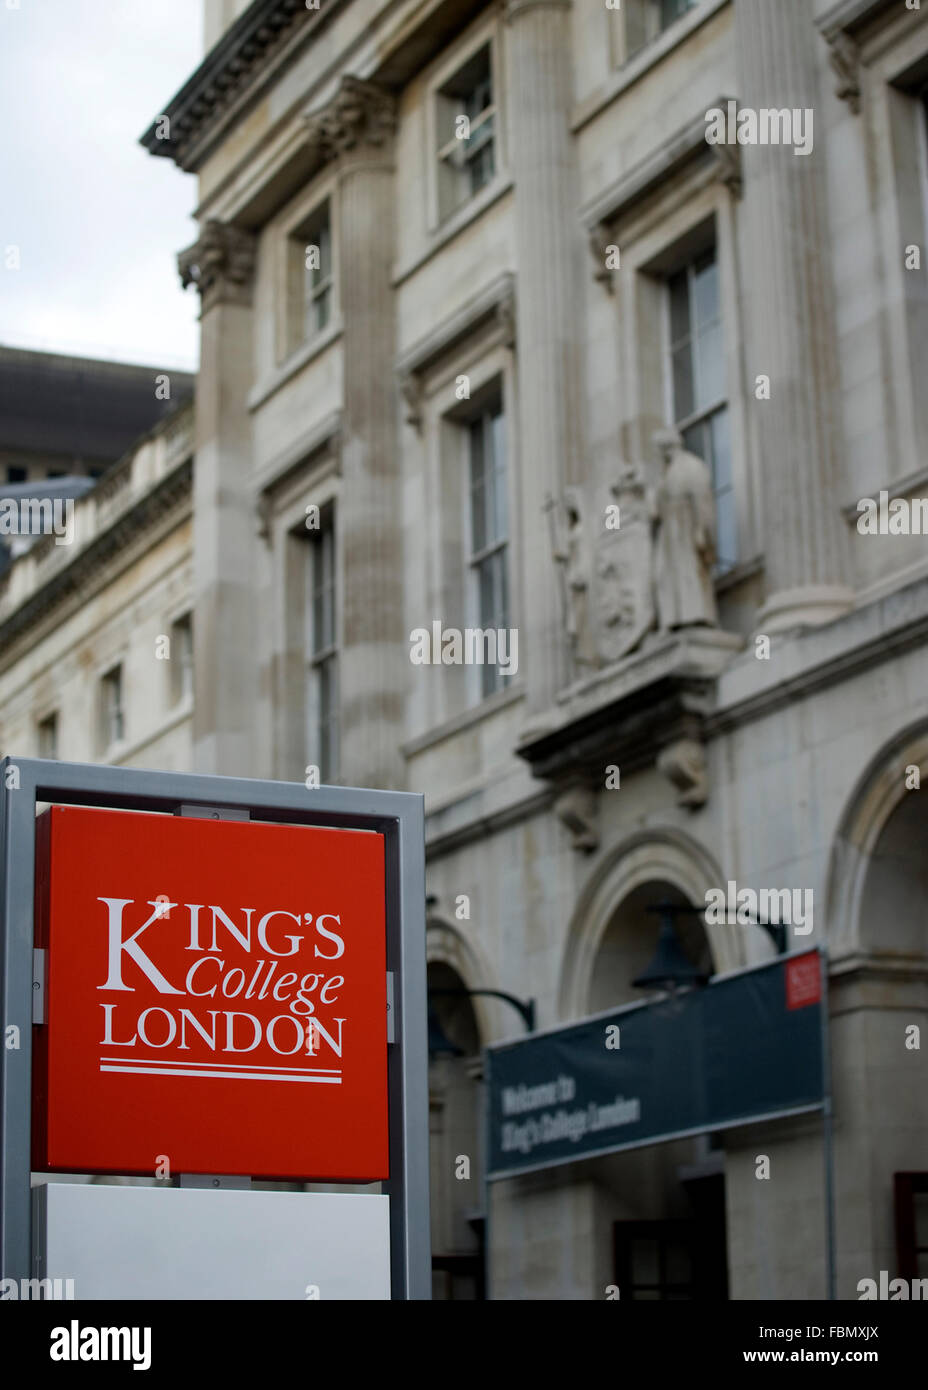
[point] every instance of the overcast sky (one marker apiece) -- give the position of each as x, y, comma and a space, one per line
97, 220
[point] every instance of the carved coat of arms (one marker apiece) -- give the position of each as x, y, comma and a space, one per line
623, 603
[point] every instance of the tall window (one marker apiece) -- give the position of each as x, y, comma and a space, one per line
48, 736
322, 651
311, 283
182, 658
466, 133
700, 408
317, 264
646, 20
489, 530
112, 712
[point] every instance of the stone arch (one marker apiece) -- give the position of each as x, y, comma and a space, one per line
879, 822
446, 945
666, 856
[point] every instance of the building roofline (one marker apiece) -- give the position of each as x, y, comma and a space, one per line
226, 77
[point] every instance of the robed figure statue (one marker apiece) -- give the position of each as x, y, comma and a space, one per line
683, 516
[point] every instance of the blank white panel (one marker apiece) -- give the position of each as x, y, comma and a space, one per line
149, 1242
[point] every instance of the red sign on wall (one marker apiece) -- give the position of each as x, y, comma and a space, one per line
216, 998
803, 981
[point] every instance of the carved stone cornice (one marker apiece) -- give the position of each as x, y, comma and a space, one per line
360, 119
221, 264
247, 54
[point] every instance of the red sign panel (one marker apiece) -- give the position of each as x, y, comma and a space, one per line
803, 981
216, 998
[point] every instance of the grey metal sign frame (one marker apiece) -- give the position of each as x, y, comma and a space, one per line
398, 816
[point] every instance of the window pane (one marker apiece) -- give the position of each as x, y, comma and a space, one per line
673, 9
496, 448
477, 485
679, 308
48, 737
317, 278
726, 530
481, 168
324, 242
485, 593
710, 366
320, 311
503, 590
705, 291
683, 382
720, 450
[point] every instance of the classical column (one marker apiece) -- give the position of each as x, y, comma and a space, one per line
221, 265
550, 250
790, 324
356, 132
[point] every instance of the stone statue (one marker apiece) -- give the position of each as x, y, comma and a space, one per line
683, 514
570, 550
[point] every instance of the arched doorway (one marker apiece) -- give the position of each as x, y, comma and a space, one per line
455, 1097
658, 1213
878, 949
666, 1202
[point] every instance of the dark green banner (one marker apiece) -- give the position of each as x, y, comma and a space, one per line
746, 1047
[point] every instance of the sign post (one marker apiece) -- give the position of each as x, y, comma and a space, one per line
236, 984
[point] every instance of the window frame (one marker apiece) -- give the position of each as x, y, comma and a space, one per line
456, 158
700, 415
321, 663
323, 291
487, 32
180, 693
490, 405
689, 210
651, 20
292, 232
106, 737
51, 719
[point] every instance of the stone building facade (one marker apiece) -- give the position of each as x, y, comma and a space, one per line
96, 637
458, 264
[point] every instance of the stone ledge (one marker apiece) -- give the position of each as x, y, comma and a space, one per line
628, 713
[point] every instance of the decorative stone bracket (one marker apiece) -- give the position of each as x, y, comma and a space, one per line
684, 763
576, 808
221, 264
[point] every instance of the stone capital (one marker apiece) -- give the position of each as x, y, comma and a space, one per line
221, 264
360, 119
